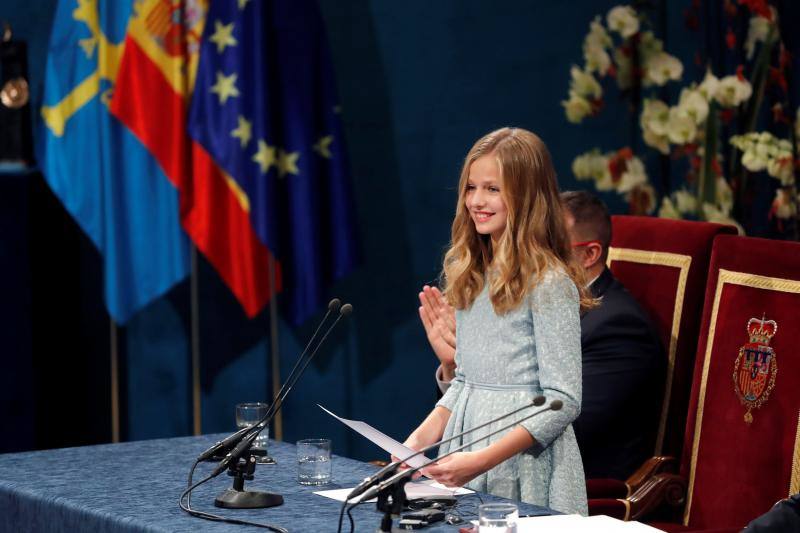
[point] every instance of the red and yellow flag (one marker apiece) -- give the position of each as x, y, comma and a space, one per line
151, 97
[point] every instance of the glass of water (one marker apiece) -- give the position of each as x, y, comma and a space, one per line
497, 518
248, 414
314, 461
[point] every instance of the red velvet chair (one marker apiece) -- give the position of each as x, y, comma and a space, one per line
664, 264
742, 438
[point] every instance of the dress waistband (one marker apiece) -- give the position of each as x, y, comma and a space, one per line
499, 386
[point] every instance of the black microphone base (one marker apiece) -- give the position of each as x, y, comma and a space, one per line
245, 499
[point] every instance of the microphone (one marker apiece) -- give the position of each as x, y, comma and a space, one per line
294, 375
224, 444
391, 467
234, 454
555, 405
231, 440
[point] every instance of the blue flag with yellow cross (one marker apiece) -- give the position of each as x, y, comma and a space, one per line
102, 174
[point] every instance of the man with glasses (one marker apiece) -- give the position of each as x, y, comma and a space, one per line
623, 361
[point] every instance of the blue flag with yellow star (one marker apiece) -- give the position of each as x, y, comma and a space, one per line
266, 110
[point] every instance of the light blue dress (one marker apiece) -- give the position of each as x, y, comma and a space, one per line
503, 362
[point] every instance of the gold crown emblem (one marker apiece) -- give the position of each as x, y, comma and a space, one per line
761, 331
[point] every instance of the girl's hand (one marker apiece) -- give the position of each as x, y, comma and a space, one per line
458, 469
438, 318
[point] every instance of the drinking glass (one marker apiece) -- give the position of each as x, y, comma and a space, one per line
314, 461
497, 518
247, 414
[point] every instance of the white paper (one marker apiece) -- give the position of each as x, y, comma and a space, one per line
578, 524
608, 523
419, 489
383, 441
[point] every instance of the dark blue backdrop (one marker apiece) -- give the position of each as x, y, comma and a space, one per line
419, 82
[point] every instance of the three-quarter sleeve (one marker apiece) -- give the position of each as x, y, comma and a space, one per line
453, 391
555, 309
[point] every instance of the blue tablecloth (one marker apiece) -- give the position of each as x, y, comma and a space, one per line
135, 486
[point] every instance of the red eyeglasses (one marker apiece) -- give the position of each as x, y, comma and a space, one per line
586, 243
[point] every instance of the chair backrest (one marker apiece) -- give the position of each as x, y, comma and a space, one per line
742, 449
664, 264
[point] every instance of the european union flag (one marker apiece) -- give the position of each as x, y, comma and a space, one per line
265, 108
104, 176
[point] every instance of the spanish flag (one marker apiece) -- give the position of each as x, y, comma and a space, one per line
237, 102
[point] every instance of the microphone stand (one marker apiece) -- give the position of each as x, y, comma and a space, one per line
391, 492
391, 468
220, 448
241, 461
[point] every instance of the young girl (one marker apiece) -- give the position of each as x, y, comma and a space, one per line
517, 298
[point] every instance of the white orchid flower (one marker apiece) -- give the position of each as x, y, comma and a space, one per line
577, 108
597, 59
655, 116
783, 206
681, 128
581, 168
732, 91
756, 33
685, 202
668, 209
634, 175
708, 87
659, 142
623, 20
598, 36
591, 165
605, 182
693, 104
753, 162
782, 169
584, 84
594, 48
724, 194
712, 213
661, 68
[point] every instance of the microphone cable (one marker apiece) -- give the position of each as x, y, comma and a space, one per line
294, 376
219, 518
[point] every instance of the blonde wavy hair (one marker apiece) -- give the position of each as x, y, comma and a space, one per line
535, 237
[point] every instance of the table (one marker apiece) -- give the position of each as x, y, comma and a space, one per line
134, 487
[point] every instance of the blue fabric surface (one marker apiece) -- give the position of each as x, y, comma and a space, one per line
135, 487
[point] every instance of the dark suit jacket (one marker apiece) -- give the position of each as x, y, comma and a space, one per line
623, 383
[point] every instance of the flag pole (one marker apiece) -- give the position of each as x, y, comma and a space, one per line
114, 381
274, 346
195, 312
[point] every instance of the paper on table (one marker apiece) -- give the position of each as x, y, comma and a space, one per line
618, 525
578, 524
384, 441
419, 489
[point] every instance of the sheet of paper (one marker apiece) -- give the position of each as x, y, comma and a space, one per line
383, 441
579, 524
419, 489
612, 524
